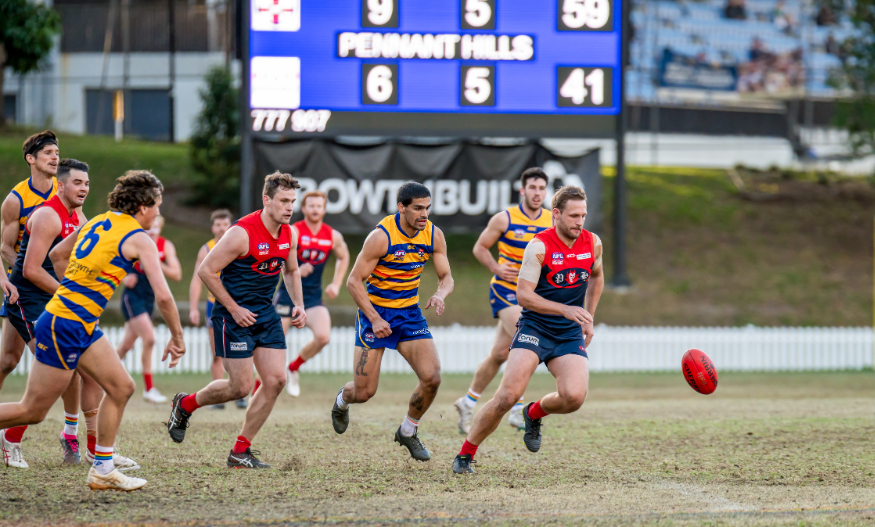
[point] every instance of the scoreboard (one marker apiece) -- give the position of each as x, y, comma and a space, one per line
528, 68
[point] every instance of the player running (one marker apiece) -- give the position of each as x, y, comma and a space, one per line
391, 261
315, 240
247, 328
555, 327
67, 335
220, 222
138, 302
512, 229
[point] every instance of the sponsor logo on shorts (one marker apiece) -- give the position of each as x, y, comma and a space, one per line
511, 297
284, 246
42, 346
71, 357
422, 331
400, 254
238, 346
283, 310
528, 339
370, 337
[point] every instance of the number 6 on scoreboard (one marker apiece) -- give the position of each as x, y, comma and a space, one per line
580, 87
380, 84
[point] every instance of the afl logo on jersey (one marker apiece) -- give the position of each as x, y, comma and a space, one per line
263, 248
400, 254
519, 234
558, 258
305, 240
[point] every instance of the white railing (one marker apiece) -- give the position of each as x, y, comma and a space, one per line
614, 349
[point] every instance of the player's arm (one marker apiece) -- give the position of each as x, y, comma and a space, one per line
9, 228
60, 255
233, 245
442, 268
292, 283
45, 225
496, 228
171, 267
375, 247
594, 289
141, 247
341, 266
194, 289
530, 273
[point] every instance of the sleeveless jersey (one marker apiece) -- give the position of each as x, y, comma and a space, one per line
29, 198
520, 231
251, 279
143, 288
564, 278
96, 268
209, 245
394, 282
313, 249
28, 293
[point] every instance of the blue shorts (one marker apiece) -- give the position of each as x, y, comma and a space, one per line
235, 342
18, 317
406, 324
60, 341
284, 305
134, 305
501, 297
548, 345
209, 311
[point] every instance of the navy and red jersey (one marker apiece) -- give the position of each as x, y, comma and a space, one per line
143, 288
251, 279
313, 249
28, 293
564, 276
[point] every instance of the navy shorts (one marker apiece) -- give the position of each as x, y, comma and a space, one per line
548, 345
235, 342
60, 341
501, 297
18, 317
406, 324
134, 305
284, 305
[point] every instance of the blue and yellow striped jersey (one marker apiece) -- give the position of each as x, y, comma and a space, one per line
209, 245
29, 198
96, 268
395, 281
520, 231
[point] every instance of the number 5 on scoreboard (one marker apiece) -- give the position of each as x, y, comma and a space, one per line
478, 86
583, 87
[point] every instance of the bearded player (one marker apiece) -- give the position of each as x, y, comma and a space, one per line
391, 262
315, 241
247, 328
559, 286
512, 229
67, 334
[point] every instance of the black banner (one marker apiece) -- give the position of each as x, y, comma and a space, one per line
469, 182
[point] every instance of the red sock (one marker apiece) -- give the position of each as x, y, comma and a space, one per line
535, 411
92, 443
468, 448
13, 435
296, 364
147, 378
189, 403
257, 384
241, 445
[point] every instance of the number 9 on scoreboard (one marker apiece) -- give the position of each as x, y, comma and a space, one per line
584, 87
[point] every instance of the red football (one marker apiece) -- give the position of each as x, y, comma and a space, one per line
699, 371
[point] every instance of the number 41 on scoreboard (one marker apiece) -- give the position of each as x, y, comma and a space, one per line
579, 87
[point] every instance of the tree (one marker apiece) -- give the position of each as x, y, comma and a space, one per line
215, 143
856, 114
27, 34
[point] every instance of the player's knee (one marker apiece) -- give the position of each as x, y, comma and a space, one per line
365, 394
125, 389
7, 365
499, 355
431, 382
574, 401
275, 383
148, 341
505, 400
322, 339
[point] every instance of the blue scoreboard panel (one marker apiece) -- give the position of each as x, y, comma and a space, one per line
434, 67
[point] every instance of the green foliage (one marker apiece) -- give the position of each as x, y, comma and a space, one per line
27, 32
215, 143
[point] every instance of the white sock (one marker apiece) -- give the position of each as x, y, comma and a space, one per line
409, 426
71, 424
519, 404
103, 460
340, 402
470, 399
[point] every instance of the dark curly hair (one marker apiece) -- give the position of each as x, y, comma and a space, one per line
133, 189
33, 144
278, 180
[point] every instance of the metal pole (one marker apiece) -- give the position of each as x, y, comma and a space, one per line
246, 147
171, 13
620, 279
126, 75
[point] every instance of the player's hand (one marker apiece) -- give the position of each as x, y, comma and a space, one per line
299, 317
305, 269
588, 332
577, 314
438, 304
508, 273
10, 291
130, 280
175, 349
381, 328
194, 316
243, 317
332, 290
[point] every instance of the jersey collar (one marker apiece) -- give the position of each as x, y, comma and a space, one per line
540, 211
37, 192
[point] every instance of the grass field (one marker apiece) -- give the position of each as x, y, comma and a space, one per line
765, 449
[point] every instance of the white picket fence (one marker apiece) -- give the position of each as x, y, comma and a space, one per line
614, 349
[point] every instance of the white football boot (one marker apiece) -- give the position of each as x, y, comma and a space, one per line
515, 417
293, 386
115, 480
154, 396
11, 452
466, 415
122, 463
